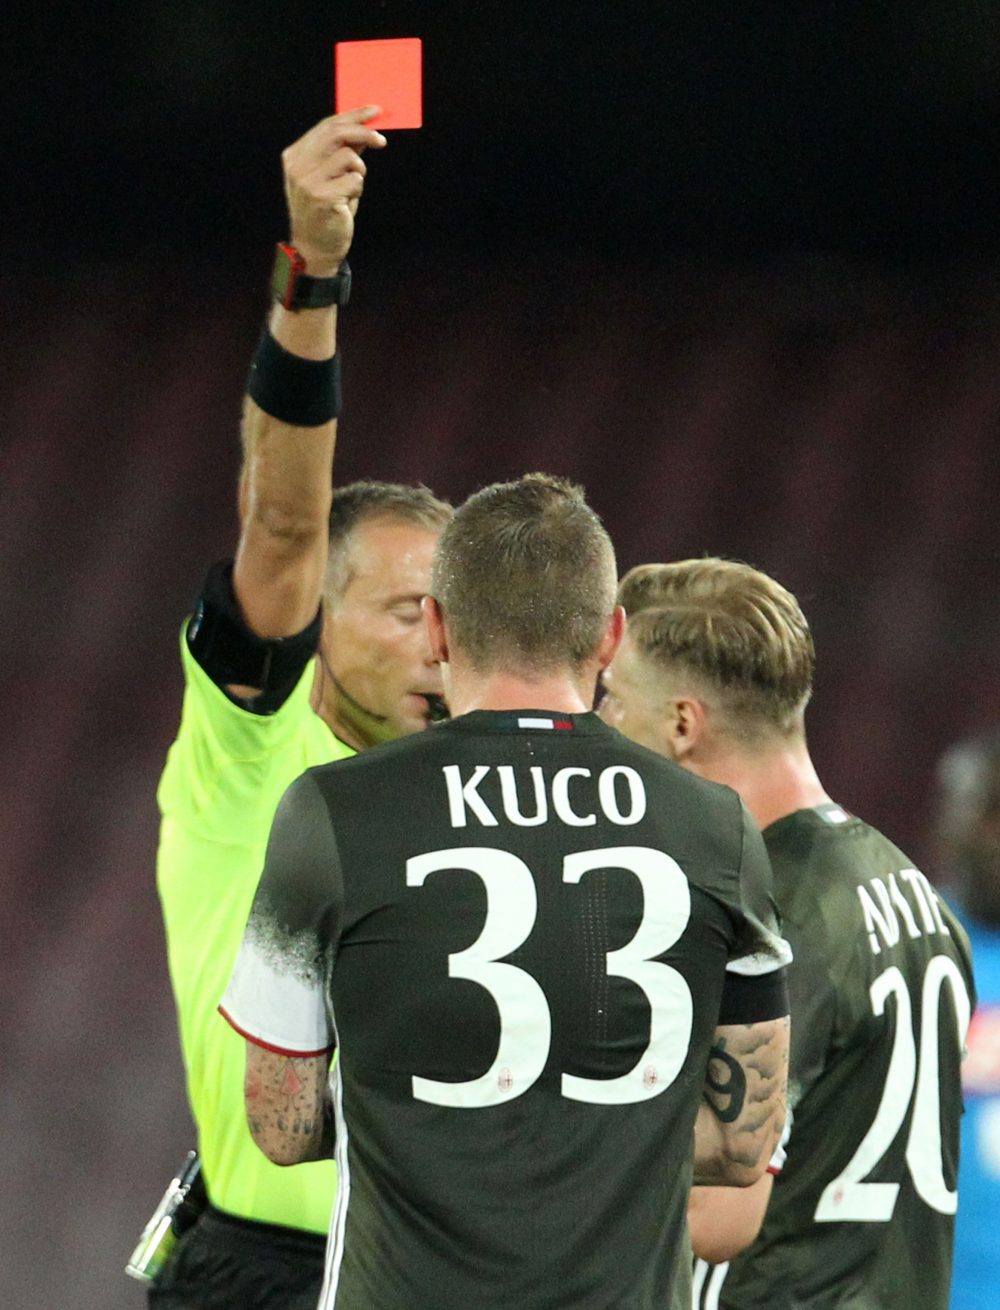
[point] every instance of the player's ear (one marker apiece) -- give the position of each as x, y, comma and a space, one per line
434, 625
686, 723
612, 638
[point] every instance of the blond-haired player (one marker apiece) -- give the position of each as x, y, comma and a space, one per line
715, 672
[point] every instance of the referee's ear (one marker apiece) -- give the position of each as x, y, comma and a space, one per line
434, 625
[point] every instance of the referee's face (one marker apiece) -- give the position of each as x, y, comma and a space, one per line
375, 649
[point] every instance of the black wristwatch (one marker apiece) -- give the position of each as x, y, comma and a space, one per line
293, 288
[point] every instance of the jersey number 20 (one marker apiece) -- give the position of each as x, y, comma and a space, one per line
525, 1021
847, 1197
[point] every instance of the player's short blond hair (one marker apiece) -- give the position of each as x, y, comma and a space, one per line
525, 575
739, 631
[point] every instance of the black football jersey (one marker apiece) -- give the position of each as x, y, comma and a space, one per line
861, 1216
516, 929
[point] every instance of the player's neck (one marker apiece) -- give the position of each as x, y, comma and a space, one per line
559, 692
772, 782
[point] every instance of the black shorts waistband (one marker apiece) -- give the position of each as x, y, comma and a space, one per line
232, 1228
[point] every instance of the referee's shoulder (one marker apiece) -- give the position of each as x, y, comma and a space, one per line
385, 756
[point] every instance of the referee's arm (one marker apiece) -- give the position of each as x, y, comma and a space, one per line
285, 483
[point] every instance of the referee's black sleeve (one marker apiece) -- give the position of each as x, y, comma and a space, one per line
230, 653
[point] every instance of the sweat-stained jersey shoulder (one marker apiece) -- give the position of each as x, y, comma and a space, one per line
862, 1214
516, 927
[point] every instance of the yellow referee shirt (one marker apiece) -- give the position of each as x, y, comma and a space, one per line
224, 777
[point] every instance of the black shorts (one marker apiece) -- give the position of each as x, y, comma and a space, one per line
225, 1263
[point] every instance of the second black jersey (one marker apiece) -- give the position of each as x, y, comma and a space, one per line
516, 928
861, 1216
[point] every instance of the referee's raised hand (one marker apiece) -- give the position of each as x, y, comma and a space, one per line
324, 178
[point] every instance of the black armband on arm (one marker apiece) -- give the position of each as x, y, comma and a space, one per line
754, 998
230, 653
302, 392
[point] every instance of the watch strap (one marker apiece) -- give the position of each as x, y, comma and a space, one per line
292, 287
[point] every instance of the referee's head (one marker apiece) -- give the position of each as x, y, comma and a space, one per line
377, 676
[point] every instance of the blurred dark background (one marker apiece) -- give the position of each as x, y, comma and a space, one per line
733, 267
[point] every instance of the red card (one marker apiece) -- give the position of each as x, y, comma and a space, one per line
385, 73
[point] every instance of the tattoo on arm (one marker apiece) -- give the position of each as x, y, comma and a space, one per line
725, 1098
744, 1100
285, 1098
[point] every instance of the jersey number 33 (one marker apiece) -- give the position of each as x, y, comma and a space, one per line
525, 1020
